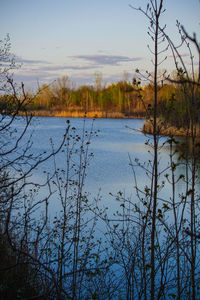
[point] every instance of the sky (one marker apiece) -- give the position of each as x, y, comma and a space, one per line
81, 38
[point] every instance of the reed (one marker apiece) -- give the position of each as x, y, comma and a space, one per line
82, 114
165, 129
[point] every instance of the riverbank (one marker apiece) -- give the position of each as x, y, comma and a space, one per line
166, 129
90, 114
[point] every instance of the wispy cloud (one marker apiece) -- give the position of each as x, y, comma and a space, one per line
66, 67
42, 65
37, 77
91, 62
50, 73
21, 60
35, 80
80, 68
26, 76
99, 59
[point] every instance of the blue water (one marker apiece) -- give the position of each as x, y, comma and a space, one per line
109, 171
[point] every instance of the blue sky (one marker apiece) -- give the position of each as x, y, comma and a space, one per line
78, 38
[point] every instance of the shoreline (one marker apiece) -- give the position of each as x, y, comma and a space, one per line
165, 129
81, 114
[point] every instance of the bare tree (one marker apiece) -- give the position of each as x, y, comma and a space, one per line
153, 13
17, 163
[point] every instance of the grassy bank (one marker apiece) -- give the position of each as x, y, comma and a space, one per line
165, 129
90, 114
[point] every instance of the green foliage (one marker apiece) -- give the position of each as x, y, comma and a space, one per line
7, 104
123, 96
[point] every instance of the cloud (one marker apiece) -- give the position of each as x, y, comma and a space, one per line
66, 67
21, 60
80, 72
41, 65
95, 61
27, 74
35, 76
48, 74
107, 59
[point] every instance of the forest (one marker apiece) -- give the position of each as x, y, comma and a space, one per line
151, 247
122, 99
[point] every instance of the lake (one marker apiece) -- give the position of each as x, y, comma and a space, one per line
118, 141
109, 171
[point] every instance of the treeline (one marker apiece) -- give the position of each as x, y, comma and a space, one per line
117, 97
128, 98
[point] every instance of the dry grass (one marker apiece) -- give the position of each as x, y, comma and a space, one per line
91, 114
81, 114
166, 130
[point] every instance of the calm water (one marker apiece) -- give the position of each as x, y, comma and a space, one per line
109, 170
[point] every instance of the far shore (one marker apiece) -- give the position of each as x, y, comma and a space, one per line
90, 114
163, 128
